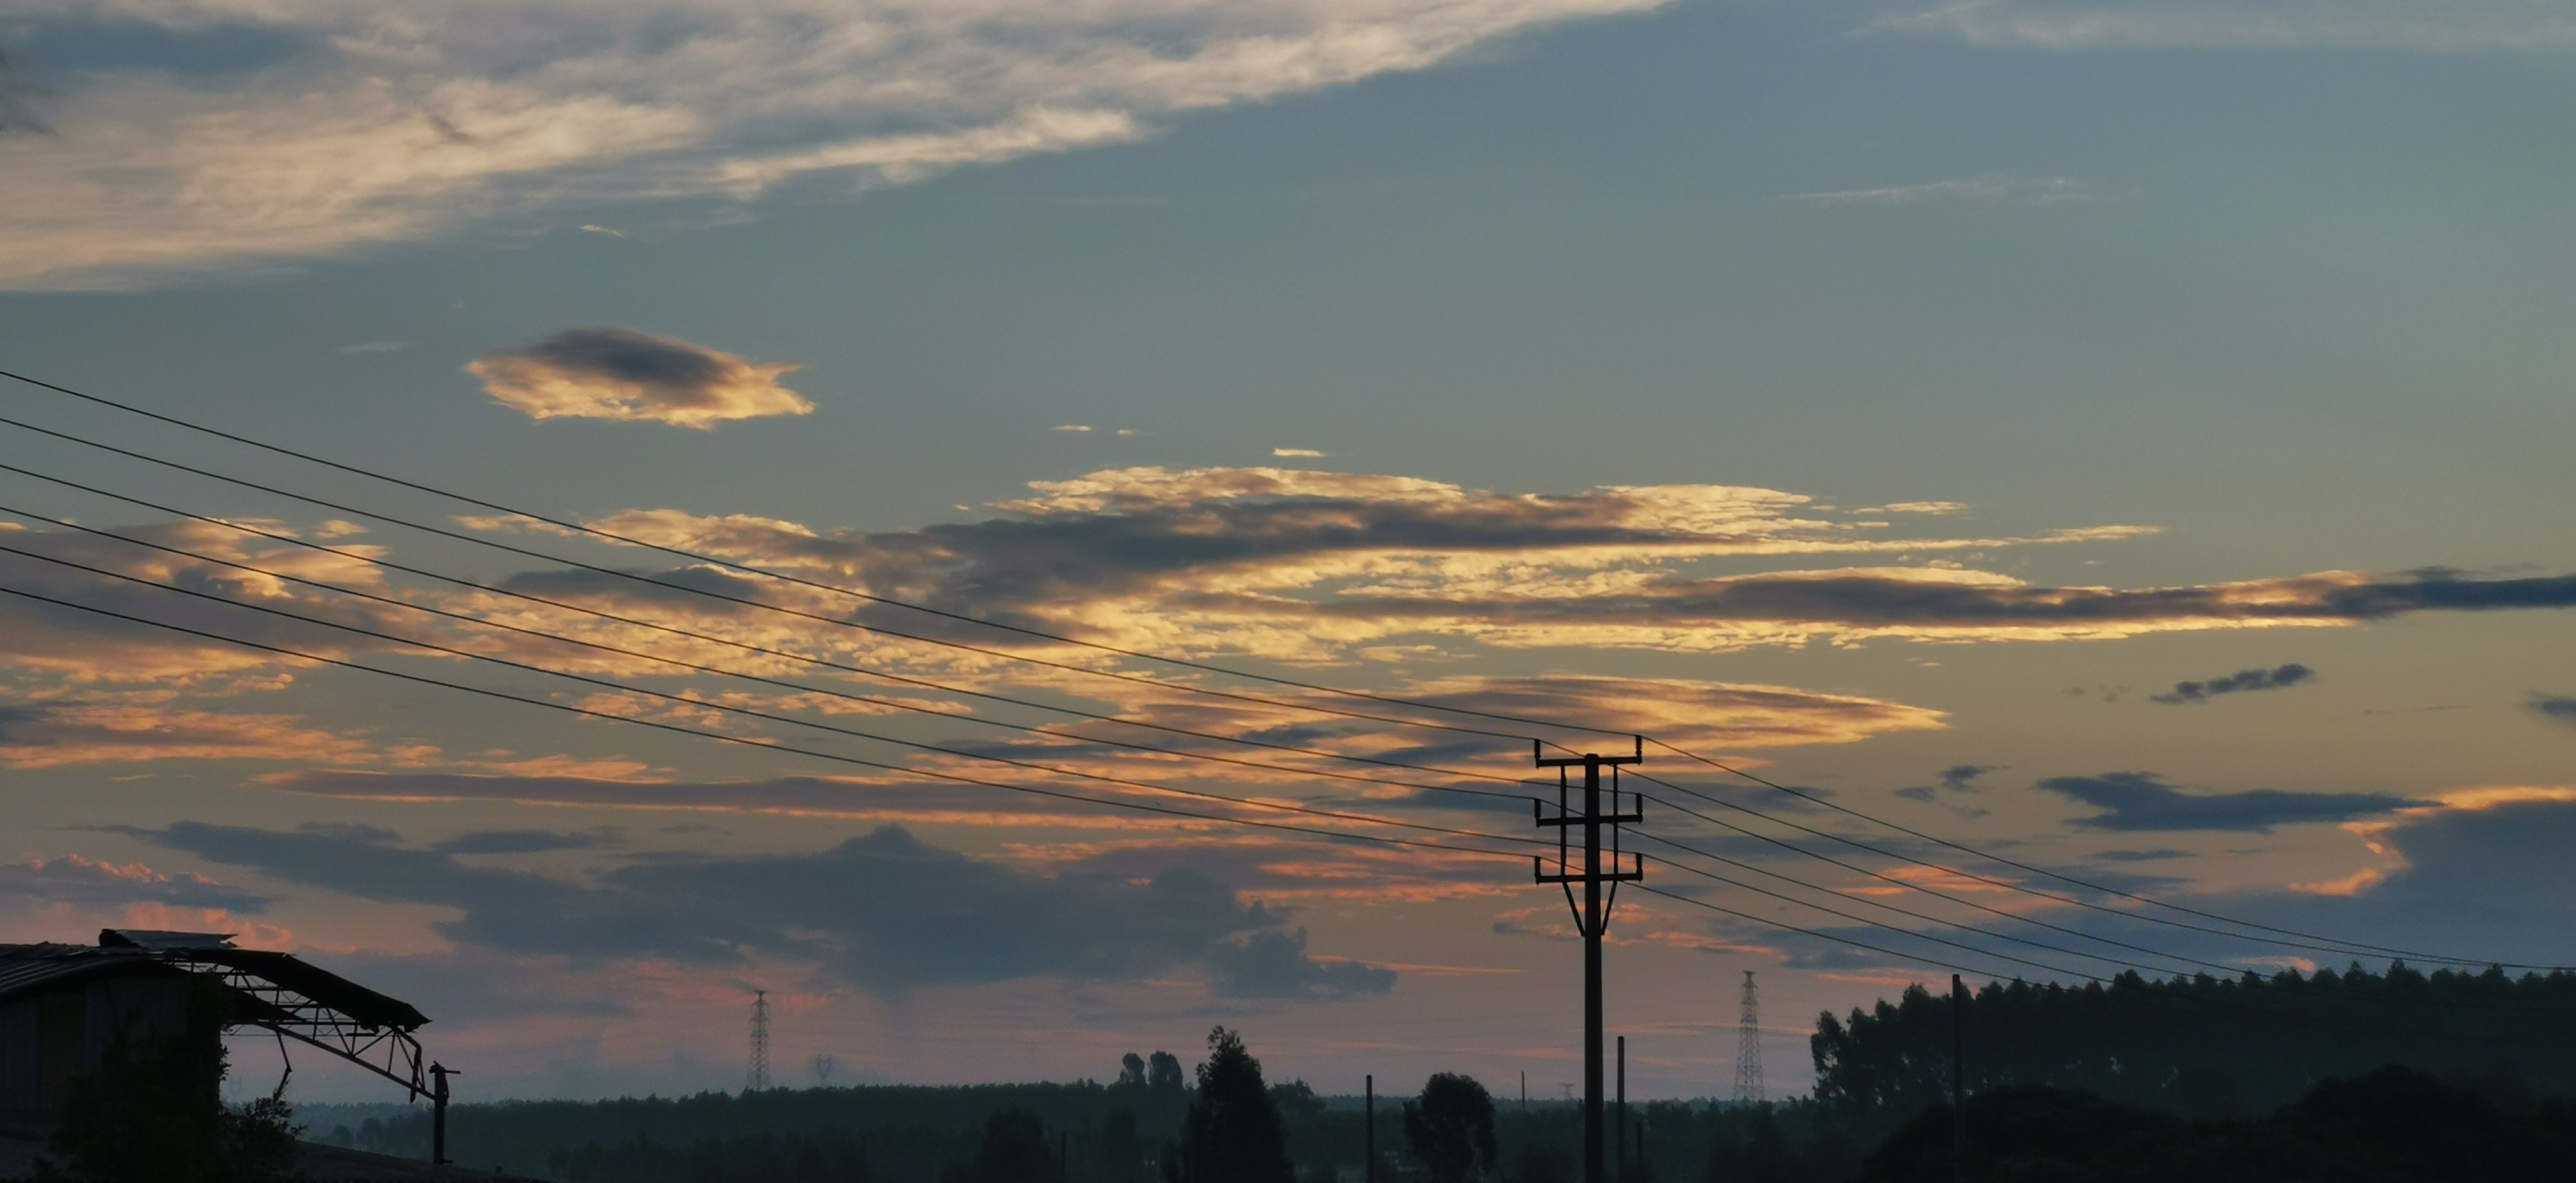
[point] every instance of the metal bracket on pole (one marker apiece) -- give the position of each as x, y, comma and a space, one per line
1592, 915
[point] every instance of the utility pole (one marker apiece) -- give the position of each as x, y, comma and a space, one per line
1592, 915
1748, 1045
1623, 1109
1368, 1123
438, 1111
755, 1076
1958, 1068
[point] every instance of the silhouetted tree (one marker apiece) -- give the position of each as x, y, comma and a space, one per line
1015, 1150
1131, 1071
1163, 1073
1233, 1133
1451, 1128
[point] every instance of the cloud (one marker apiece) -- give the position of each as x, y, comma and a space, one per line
2279, 678
18, 99
81, 883
2426, 25
57, 735
374, 347
610, 373
1073, 427
2142, 802
1987, 187
398, 119
858, 910
1960, 778
1308, 565
587, 228
2554, 707
1298, 452
1273, 964
516, 842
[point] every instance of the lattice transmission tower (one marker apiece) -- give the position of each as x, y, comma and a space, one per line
1748, 1045
755, 1078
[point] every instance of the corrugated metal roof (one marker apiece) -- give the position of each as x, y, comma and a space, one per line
25, 968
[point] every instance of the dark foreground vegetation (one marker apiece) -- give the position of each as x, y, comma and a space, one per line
2193, 1078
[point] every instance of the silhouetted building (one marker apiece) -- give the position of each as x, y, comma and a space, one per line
62, 1005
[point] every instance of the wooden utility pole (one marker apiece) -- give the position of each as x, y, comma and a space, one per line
1592, 915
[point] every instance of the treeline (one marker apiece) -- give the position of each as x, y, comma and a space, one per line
1153, 1123
2394, 1125
2202, 1046
2206, 1054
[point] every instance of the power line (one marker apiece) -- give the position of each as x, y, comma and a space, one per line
800, 581
2332, 946
531, 553
2337, 947
890, 703
1308, 832
1114, 743
799, 687
1040, 634
1591, 927
763, 744
756, 714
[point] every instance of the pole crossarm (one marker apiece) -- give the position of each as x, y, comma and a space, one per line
1592, 912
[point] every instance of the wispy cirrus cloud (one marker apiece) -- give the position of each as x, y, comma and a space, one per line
613, 373
2430, 25
386, 120
1995, 187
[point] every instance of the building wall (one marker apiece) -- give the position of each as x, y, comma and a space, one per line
50, 1037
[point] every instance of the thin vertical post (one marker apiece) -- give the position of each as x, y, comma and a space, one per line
1368, 1139
438, 1113
1623, 1109
1592, 970
1958, 1067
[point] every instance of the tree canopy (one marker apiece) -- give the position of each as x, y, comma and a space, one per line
2200, 1046
1451, 1128
1233, 1133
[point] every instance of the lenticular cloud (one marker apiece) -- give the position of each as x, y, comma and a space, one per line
609, 373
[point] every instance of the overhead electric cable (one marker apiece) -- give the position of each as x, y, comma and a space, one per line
767, 745
1126, 782
762, 744
836, 622
799, 687
2330, 945
705, 704
694, 556
2338, 947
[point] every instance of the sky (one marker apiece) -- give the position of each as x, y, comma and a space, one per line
2122, 439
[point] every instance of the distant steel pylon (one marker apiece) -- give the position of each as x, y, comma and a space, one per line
756, 1077
1748, 1045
